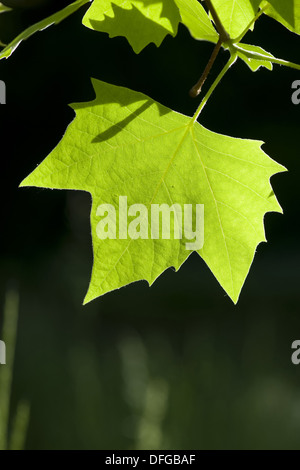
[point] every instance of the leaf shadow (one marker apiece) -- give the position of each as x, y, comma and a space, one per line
108, 94
120, 126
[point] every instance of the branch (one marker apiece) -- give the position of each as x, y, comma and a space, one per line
196, 90
223, 37
214, 85
220, 28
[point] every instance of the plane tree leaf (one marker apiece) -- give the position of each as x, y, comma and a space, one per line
286, 12
195, 18
124, 144
140, 21
236, 15
146, 21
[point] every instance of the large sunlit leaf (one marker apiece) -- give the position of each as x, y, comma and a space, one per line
125, 144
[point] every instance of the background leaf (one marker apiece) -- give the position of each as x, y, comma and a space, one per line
235, 15
286, 12
146, 21
40, 26
140, 21
3, 8
195, 18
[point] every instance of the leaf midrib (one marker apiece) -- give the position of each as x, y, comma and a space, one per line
155, 194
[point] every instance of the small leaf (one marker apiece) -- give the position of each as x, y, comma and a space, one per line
125, 144
254, 64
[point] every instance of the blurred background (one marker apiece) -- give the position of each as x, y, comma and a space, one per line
177, 365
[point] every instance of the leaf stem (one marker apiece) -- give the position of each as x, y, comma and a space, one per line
195, 91
230, 62
220, 28
258, 15
223, 38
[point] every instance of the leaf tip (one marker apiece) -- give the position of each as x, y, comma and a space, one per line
88, 298
235, 296
24, 183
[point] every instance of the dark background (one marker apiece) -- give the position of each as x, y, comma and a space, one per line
176, 365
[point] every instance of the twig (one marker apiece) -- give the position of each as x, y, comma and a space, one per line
220, 28
195, 91
213, 87
223, 37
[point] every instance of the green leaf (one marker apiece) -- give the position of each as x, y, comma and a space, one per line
146, 21
286, 12
140, 21
258, 55
195, 18
4, 8
125, 144
41, 25
235, 15
254, 64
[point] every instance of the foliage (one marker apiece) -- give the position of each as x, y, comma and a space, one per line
124, 143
